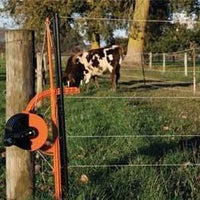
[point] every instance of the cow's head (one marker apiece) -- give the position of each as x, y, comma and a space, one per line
73, 81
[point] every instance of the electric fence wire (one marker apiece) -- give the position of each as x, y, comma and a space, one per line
130, 20
186, 164
130, 136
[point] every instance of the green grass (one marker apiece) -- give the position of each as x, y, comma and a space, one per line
132, 117
127, 117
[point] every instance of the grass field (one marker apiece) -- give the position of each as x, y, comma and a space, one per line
132, 147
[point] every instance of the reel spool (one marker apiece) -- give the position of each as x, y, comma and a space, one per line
26, 130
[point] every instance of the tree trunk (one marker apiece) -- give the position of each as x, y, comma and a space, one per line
134, 56
19, 90
95, 44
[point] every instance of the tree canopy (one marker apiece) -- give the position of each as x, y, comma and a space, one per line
159, 36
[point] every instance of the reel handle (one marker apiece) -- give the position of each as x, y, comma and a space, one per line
12, 138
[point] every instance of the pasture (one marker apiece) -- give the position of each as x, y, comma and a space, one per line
136, 143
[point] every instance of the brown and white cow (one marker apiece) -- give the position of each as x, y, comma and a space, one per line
93, 63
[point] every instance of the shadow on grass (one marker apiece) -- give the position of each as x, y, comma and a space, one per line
155, 150
131, 86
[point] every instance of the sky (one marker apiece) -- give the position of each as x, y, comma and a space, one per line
6, 21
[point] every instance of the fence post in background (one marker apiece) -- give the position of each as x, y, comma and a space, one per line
185, 64
2, 55
164, 61
19, 91
194, 69
45, 64
150, 60
39, 77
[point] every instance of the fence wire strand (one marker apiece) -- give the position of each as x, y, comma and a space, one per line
131, 136
186, 164
130, 20
132, 97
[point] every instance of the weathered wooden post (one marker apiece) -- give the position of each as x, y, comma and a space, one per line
45, 68
19, 90
2, 55
185, 64
150, 60
194, 68
164, 61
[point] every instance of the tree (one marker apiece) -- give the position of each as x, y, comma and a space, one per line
167, 36
137, 33
96, 29
31, 15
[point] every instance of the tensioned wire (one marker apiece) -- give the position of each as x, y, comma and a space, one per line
130, 136
131, 97
186, 164
166, 71
129, 20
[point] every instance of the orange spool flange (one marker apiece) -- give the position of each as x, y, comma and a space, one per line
38, 123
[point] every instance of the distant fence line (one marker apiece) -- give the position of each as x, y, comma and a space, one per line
184, 58
2, 55
179, 58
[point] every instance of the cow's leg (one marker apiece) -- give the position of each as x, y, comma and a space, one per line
87, 86
96, 83
117, 72
113, 80
81, 82
87, 80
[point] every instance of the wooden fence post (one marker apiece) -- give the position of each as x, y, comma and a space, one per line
45, 65
2, 55
150, 60
19, 90
164, 61
194, 69
185, 64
